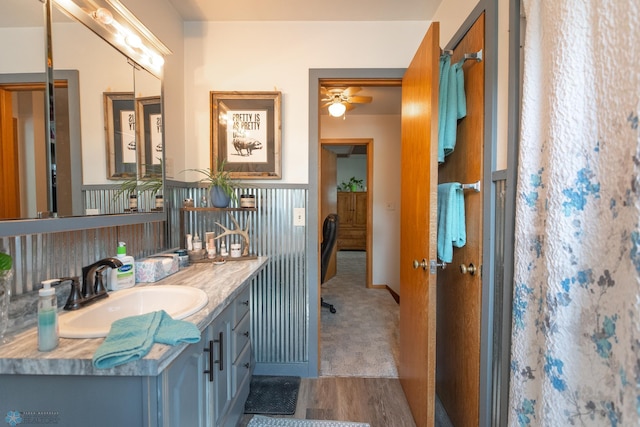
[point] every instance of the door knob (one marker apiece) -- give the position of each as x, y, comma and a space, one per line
471, 269
423, 264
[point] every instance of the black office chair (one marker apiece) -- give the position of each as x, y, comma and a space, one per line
329, 235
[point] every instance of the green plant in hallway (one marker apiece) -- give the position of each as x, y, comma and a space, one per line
352, 185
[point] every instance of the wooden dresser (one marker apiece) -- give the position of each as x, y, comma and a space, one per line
352, 213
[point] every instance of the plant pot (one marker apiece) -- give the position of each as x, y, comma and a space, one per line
219, 199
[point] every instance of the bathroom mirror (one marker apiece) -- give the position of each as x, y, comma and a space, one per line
97, 68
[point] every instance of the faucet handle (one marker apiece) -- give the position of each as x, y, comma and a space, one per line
99, 286
75, 296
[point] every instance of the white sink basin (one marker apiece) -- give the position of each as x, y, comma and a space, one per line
95, 320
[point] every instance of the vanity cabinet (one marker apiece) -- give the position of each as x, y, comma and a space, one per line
209, 383
205, 386
183, 389
352, 214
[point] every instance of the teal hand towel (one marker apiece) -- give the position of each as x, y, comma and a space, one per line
174, 332
452, 105
443, 102
131, 338
452, 229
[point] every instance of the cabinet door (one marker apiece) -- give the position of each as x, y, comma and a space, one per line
184, 389
219, 338
345, 209
360, 209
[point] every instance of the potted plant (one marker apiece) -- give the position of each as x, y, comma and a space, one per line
352, 185
221, 186
133, 186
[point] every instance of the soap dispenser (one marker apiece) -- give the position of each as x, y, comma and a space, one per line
123, 277
47, 316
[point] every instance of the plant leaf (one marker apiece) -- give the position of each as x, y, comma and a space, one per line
5, 261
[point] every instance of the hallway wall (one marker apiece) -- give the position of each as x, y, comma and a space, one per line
385, 132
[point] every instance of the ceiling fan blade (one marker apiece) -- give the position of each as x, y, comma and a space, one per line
360, 99
351, 90
323, 91
349, 106
326, 104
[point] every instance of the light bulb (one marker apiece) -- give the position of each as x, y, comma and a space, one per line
103, 16
337, 109
133, 40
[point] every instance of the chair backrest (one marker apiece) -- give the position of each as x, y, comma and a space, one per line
329, 235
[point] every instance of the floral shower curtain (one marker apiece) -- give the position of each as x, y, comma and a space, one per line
575, 357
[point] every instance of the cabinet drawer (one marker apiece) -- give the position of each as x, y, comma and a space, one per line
242, 369
241, 305
240, 336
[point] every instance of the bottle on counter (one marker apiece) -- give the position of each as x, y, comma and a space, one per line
47, 317
197, 243
123, 277
223, 249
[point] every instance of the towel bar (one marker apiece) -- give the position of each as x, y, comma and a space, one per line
475, 186
476, 55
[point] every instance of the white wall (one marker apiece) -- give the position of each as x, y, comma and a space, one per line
385, 132
257, 56
352, 166
22, 50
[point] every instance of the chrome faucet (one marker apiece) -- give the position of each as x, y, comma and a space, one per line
93, 287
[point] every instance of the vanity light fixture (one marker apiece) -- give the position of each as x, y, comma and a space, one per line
337, 109
119, 27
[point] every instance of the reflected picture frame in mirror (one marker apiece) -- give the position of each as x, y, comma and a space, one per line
120, 135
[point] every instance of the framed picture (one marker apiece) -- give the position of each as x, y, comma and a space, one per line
149, 132
120, 133
245, 134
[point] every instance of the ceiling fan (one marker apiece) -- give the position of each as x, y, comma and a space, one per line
341, 99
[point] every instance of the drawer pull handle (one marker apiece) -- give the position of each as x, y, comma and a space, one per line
210, 370
220, 360
245, 303
247, 365
246, 334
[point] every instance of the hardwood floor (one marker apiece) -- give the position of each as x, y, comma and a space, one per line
377, 401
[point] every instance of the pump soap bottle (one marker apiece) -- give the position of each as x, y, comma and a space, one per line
123, 277
47, 317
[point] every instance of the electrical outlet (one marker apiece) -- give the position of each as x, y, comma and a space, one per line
298, 217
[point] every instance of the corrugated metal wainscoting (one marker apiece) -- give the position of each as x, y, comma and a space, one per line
280, 320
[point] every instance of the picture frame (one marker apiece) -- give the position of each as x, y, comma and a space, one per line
149, 132
246, 134
120, 135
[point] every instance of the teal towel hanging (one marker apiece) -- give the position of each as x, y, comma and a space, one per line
452, 229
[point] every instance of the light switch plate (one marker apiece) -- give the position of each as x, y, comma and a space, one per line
298, 217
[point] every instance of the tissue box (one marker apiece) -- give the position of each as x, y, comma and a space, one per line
156, 267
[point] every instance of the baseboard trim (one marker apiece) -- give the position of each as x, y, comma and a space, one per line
393, 293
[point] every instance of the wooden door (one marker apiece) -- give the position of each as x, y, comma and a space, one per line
328, 202
460, 294
418, 228
9, 181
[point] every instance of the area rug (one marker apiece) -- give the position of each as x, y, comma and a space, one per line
273, 395
262, 421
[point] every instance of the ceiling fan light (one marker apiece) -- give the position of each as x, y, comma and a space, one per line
337, 109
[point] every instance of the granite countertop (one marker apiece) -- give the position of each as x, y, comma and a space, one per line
222, 283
